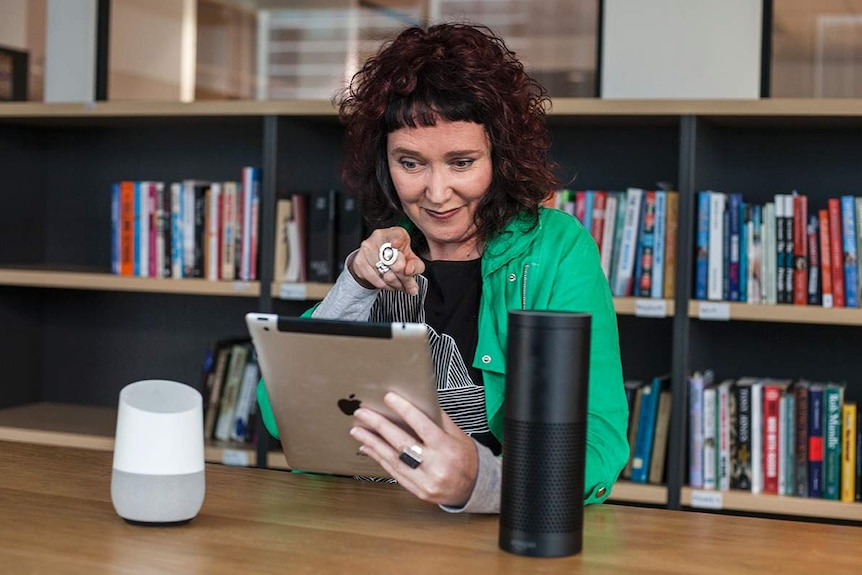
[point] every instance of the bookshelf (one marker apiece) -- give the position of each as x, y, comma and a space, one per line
73, 334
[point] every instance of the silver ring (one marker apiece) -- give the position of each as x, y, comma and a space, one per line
382, 268
411, 456
387, 254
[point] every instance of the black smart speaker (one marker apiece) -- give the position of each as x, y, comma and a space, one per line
544, 433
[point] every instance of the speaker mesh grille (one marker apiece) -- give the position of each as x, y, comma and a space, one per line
543, 476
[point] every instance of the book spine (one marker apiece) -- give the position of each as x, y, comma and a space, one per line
597, 223
832, 396
780, 239
645, 432
801, 440
702, 254
695, 431
741, 445
607, 250
177, 232
789, 239
321, 237
658, 266
851, 271
671, 231
723, 436
815, 442
756, 438
645, 246
848, 452
812, 233
800, 249
825, 258
755, 264
715, 278
628, 246
127, 230
733, 256
836, 236
710, 429
115, 228
771, 397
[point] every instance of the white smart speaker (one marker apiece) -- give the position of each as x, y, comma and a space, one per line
158, 474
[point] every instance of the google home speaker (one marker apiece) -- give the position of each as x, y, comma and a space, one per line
544, 430
158, 473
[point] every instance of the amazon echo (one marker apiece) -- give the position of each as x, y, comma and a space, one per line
544, 433
158, 472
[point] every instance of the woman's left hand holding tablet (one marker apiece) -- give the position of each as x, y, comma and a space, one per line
448, 462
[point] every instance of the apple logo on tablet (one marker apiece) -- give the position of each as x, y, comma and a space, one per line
349, 405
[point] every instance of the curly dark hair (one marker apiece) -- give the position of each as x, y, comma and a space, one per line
449, 72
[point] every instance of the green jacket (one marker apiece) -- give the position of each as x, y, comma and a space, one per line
553, 266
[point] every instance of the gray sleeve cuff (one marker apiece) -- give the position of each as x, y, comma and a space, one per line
486, 493
347, 299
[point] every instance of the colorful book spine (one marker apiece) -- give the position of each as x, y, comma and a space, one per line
836, 239
771, 397
815, 441
780, 240
710, 429
832, 400
723, 433
658, 267
715, 276
740, 477
848, 452
695, 430
644, 253
671, 231
733, 254
628, 245
825, 258
851, 271
813, 232
800, 452
646, 431
800, 249
702, 244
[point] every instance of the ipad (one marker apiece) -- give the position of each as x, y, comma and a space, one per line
318, 372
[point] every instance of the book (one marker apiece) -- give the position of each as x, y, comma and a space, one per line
671, 231
715, 274
645, 250
710, 431
646, 429
734, 241
127, 228
813, 235
658, 458
349, 226
696, 384
250, 200
825, 258
628, 246
230, 393
772, 390
815, 440
321, 237
658, 263
848, 452
740, 444
217, 358
833, 397
850, 260
800, 452
800, 249
634, 420
836, 242
230, 197
283, 216
723, 434
246, 399
608, 232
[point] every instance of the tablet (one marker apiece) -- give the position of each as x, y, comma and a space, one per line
318, 372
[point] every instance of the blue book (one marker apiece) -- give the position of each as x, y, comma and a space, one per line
589, 197
744, 221
851, 272
815, 441
645, 250
702, 245
139, 206
115, 228
733, 245
657, 286
646, 430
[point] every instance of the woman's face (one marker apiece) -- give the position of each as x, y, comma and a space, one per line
440, 173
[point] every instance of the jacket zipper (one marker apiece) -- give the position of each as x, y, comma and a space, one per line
524, 288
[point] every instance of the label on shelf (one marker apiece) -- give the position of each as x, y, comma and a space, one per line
706, 499
292, 291
650, 308
711, 310
235, 457
241, 286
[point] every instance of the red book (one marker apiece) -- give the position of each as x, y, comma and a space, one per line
127, 228
825, 259
597, 225
771, 457
800, 250
836, 240
581, 207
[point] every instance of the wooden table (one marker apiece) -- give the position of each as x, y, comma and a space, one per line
57, 517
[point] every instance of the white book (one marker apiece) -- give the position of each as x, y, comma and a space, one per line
770, 286
715, 261
709, 437
723, 435
213, 238
628, 245
756, 437
142, 189
608, 233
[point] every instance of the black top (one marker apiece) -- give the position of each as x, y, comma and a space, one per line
452, 307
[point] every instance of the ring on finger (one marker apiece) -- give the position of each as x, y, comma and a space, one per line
387, 254
382, 268
411, 456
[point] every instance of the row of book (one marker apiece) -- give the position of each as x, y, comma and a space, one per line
188, 229
774, 436
636, 232
780, 252
314, 234
230, 377
649, 424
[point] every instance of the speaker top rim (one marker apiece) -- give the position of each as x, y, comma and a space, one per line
550, 319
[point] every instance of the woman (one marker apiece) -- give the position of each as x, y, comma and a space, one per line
447, 151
